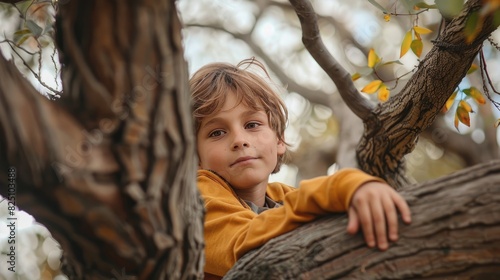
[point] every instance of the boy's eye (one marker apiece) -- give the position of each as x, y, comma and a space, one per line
216, 133
252, 125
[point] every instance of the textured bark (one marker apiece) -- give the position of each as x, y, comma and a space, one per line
455, 233
394, 130
393, 127
110, 168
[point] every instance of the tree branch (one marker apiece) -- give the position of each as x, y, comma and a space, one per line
454, 231
404, 116
11, 1
312, 41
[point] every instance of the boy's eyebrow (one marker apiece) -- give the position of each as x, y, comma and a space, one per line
245, 114
211, 121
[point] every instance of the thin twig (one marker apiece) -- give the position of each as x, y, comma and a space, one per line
487, 81
56, 92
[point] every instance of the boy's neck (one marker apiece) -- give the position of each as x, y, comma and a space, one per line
256, 195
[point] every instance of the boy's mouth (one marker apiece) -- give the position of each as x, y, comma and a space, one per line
241, 159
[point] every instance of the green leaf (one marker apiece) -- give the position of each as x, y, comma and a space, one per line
496, 19
472, 26
377, 5
424, 5
475, 94
34, 28
410, 4
463, 116
22, 32
417, 46
449, 8
22, 39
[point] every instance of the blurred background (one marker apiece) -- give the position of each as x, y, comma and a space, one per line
322, 132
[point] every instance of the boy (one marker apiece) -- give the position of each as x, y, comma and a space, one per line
240, 124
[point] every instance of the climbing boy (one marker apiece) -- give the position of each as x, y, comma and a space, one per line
240, 128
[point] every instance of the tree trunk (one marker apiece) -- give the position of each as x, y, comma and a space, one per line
110, 168
455, 233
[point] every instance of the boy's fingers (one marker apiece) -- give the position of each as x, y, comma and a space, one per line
379, 223
392, 218
353, 224
365, 218
403, 208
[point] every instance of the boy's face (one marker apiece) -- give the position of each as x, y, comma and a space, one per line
239, 144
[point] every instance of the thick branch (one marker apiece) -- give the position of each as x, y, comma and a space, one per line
455, 232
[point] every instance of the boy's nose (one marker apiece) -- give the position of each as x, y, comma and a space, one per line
238, 145
239, 142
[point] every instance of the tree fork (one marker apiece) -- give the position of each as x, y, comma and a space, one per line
455, 232
397, 123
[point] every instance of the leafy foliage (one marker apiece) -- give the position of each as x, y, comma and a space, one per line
34, 41
412, 40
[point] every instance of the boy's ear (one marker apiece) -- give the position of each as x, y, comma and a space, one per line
281, 147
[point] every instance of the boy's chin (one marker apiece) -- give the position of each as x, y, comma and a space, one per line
244, 182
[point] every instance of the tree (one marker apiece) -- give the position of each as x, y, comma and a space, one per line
113, 160
109, 168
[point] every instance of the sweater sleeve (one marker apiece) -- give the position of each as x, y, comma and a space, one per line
232, 229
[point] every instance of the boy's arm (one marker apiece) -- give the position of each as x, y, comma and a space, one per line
231, 229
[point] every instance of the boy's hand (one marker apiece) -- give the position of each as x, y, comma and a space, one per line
374, 206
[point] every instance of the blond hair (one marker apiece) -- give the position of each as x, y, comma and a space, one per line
212, 83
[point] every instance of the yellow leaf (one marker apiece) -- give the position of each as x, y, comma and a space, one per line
466, 106
455, 122
421, 30
463, 115
22, 40
449, 102
497, 123
405, 45
372, 87
476, 94
472, 68
373, 58
383, 93
417, 46
387, 17
418, 37
355, 76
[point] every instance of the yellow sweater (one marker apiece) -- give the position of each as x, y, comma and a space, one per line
232, 228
